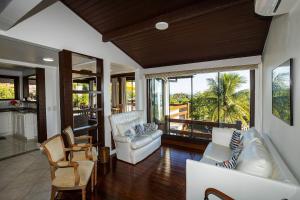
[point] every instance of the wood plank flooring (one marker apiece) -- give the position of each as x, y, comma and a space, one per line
159, 177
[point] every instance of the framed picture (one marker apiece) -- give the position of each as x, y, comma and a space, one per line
282, 92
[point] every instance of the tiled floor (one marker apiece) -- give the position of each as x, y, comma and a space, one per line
25, 177
13, 146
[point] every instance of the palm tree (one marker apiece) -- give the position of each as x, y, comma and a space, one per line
223, 100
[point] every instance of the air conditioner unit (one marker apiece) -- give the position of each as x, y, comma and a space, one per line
273, 7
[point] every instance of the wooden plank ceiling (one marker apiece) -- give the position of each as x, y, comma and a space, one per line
199, 30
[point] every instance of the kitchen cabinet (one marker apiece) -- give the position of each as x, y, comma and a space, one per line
25, 125
6, 123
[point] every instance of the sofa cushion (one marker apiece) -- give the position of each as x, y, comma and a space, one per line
140, 141
124, 127
155, 134
208, 161
255, 159
249, 136
222, 136
217, 152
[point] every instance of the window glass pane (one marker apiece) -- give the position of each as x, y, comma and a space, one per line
158, 101
205, 97
32, 90
130, 92
235, 97
81, 86
80, 101
204, 103
180, 102
7, 88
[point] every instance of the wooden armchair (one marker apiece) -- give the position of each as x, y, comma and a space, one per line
67, 175
87, 152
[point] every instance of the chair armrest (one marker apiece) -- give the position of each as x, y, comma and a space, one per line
217, 193
122, 139
78, 149
69, 164
84, 137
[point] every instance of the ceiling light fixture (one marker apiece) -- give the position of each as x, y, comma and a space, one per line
161, 26
48, 59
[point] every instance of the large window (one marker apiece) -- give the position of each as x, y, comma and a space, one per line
222, 97
197, 101
8, 87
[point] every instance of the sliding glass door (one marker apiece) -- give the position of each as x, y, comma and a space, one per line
157, 100
198, 102
180, 93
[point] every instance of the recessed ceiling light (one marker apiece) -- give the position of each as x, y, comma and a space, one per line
48, 59
161, 26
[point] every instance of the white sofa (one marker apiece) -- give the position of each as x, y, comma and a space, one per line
133, 149
260, 172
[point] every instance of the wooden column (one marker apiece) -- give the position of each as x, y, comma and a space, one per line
65, 76
41, 105
100, 104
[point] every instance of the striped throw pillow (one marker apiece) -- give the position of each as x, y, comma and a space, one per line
150, 127
139, 130
235, 140
230, 164
237, 151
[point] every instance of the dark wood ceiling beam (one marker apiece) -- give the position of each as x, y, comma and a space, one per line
179, 15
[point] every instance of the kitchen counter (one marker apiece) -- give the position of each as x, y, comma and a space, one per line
20, 110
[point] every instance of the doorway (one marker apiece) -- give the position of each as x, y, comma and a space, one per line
22, 109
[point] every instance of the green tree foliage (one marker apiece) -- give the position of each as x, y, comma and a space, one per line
179, 98
223, 99
7, 91
80, 100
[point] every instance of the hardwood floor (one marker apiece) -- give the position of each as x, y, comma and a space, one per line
160, 176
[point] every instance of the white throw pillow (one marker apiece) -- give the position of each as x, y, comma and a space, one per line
249, 136
222, 136
255, 160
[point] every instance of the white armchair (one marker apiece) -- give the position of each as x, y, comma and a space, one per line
133, 149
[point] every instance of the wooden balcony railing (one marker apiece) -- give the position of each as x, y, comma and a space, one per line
203, 132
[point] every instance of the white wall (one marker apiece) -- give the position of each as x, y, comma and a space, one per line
283, 42
58, 27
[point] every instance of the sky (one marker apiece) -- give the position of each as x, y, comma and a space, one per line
200, 82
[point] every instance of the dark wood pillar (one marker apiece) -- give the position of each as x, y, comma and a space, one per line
252, 98
65, 76
41, 105
100, 103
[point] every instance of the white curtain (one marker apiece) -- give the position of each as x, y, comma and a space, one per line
123, 94
115, 92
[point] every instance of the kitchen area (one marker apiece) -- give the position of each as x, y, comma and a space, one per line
18, 110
